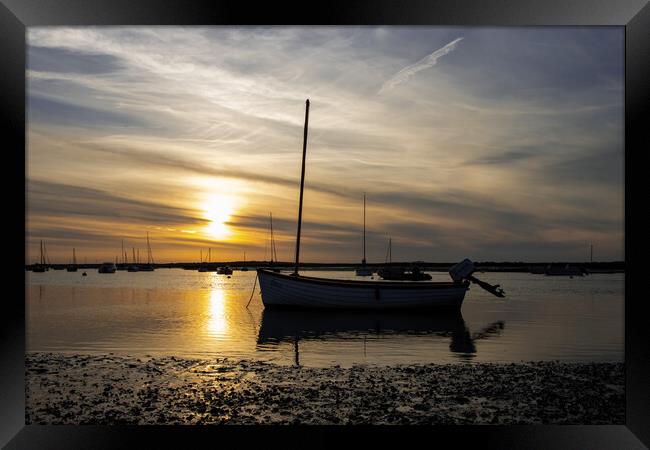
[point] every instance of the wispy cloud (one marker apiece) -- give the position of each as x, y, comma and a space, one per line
426, 62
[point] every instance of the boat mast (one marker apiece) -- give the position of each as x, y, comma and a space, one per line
46, 257
364, 230
273, 252
302, 186
133, 250
123, 255
74, 257
149, 253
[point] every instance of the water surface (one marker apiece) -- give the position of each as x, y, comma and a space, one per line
192, 314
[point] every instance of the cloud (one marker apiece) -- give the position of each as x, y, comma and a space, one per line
45, 198
426, 62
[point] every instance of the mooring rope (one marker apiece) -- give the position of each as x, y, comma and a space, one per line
253, 292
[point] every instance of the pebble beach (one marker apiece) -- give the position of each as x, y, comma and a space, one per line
112, 389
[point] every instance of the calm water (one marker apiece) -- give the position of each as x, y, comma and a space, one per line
187, 313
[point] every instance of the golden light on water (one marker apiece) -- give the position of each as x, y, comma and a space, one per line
218, 209
217, 324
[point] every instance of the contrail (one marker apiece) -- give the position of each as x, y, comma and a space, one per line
424, 63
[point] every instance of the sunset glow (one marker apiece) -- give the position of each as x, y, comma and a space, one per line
487, 143
218, 210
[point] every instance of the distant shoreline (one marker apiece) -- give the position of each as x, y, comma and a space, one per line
486, 266
118, 390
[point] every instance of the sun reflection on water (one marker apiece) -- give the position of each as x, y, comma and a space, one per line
217, 324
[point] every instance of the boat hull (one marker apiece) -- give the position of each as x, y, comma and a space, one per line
281, 290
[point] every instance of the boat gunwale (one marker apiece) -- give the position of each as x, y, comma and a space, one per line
369, 284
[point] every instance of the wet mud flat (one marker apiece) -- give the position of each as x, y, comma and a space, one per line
111, 389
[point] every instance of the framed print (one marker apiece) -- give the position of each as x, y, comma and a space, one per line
361, 214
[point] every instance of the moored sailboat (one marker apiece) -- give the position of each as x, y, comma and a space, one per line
42, 266
244, 268
149, 266
224, 270
296, 290
107, 267
73, 267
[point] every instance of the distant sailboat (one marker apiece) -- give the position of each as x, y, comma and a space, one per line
42, 266
133, 267
207, 265
107, 267
244, 268
123, 265
364, 271
400, 273
203, 267
224, 270
73, 267
149, 266
567, 270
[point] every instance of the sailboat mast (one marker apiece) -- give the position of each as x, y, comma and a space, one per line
123, 255
274, 255
302, 186
364, 230
74, 257
133, 250
149, 252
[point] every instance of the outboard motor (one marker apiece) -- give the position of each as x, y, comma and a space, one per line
464, 270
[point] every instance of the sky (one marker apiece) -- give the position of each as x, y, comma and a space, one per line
494, 144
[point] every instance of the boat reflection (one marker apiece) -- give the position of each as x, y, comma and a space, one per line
292, 326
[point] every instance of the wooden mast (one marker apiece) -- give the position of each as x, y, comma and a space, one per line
302, 186
364, 230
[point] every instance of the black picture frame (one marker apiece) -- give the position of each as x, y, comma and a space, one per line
634, 15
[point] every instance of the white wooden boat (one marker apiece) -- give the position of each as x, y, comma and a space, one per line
295, 290
286, 290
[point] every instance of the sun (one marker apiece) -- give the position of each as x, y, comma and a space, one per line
218, 209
